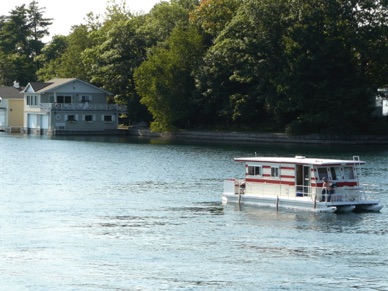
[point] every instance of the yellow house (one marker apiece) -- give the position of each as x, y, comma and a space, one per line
11, 108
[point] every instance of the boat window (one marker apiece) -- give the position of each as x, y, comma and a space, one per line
322, 173
348, 173
335, 173
254, 170
274, 172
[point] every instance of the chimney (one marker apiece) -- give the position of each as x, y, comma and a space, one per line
16, 84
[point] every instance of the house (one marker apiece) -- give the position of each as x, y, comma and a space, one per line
68, 106
11, 108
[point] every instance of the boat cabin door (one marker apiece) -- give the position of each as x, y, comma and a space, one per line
303, 180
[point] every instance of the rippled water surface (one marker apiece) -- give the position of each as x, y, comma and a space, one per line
128, 214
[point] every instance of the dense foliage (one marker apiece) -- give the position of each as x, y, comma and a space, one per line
290, 65
21, 34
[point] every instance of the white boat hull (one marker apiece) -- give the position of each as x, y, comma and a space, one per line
301, 203
278, 202
373, 207
346, 208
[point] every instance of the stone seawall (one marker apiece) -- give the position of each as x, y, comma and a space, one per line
261, 137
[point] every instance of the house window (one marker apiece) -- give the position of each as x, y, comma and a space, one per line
88, 118
32, 100
71, 118
254, 170
108, 118
64, 99
275, 172
86, 98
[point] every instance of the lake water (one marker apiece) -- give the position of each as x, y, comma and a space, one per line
115, 213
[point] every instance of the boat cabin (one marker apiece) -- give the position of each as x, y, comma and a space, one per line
299, 176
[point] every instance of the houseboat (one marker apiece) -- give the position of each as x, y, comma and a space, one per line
321, 185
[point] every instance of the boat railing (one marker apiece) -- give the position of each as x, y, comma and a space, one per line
344, 194
339, 194
371, 191
289, 191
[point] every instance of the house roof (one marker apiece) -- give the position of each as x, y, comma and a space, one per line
54, 84
37, 86
10, 92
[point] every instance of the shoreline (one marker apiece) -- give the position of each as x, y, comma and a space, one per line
234, 136
262, 137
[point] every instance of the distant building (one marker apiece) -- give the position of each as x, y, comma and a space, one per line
11, 108
68, 106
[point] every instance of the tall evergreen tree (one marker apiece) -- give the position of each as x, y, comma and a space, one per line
38, 27
15, 31
21, 34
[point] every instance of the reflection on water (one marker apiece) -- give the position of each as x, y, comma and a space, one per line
348, 222
115, 213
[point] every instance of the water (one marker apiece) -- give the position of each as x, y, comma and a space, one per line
131, 214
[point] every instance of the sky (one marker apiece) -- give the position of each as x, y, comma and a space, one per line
67, 13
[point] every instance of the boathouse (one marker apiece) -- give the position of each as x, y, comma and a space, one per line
69, 106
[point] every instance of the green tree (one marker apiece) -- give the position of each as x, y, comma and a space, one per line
165, 16
64, 57
21, 34
309, 65
50, 57
38, 27
236, 77
165, 82
15, 31
14, 46
327, 51
113, 61
371, 24
15, 67
68, 51
214, 15
123, 43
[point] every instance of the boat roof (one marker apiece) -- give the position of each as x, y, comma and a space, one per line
300, 160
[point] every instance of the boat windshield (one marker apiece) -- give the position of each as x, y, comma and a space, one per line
348, 173
322, 173
335, 173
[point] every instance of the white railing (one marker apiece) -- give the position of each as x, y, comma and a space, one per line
82, 107
264, 189
340, 194
344, 194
